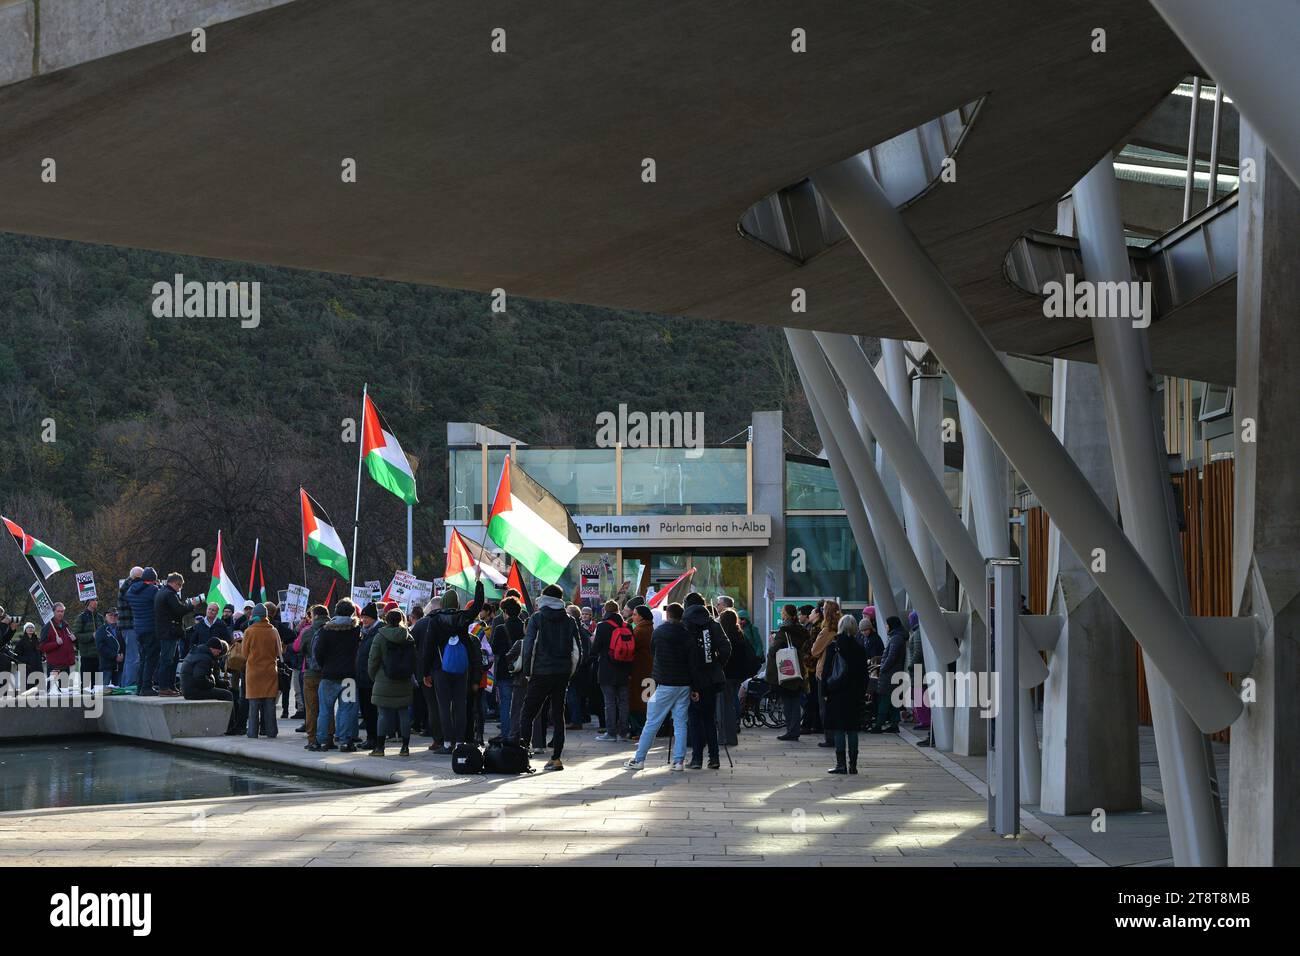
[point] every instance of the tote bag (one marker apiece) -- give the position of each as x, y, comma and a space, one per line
788, 673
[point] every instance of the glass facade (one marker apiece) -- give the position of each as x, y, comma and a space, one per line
465, 484
824, 558
810, 487
676, 481
585, 479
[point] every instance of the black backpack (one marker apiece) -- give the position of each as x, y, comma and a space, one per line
506, 756
467, 758
399, 660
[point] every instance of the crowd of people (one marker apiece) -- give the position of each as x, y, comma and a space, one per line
361, 677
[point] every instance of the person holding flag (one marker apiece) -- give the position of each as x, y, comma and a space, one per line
446, 659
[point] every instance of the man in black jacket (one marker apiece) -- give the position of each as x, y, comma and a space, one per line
336, 653
197, 680
452, 688
548, 653
710, 650
168, 612
674, 679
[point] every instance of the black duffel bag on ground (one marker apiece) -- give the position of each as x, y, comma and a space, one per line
467, 758
506, 756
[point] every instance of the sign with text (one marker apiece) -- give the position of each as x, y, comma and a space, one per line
43, 603
86, 586
295, 603
626, 531
408, 590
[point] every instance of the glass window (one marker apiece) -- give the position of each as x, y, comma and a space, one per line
582, 478
496, 461
722, 574
675, 481
830, 561
465, 484
810, 487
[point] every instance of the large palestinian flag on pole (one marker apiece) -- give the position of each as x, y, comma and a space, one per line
43, 559
384, 458
223, 590
468, 561
532, 526
319, 539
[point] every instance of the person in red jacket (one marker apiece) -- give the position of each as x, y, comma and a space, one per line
58, 645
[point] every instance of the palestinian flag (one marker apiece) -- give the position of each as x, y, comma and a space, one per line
516, 581
674, 593
255, 573
223, 590
467, 561
385, 460
319, 539
532, 526
43, 559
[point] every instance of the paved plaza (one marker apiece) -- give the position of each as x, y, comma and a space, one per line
777, 805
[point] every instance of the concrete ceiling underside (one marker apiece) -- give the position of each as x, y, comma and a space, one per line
523, 170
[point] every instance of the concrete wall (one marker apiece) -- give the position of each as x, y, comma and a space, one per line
41, 36
769, 498
160, 720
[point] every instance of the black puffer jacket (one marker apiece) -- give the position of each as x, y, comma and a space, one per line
168, 612
196, 670
549, 640
710, 647
336, 648
671, 645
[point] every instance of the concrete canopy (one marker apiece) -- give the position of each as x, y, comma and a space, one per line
522, 170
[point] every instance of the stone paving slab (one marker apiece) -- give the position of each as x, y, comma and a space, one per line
777, 805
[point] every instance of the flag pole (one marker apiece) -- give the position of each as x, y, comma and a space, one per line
356, 518
410, 539
252, 573
302, 492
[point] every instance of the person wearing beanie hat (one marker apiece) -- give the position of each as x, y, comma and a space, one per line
336, 653
367, 713
262, 650
198, 672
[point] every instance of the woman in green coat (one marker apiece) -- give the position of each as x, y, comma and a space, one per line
391, 666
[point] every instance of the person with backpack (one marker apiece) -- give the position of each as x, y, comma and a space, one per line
336, 652
448, 657
614, 650
390, 666
552, 652
710, 650
740, 667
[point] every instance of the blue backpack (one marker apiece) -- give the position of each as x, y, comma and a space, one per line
455, 659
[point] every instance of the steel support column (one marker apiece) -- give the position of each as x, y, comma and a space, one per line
1187, 773
926, 499
863, 528
939, 316
986, 467
820, 388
